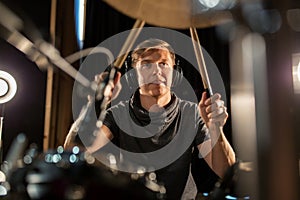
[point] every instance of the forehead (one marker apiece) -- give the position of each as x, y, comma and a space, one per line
156, 54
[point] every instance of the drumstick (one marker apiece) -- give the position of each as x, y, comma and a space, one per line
200, 61
202, 68
134, 33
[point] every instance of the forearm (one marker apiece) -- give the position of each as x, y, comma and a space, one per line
71, 136
103, 136
221, 156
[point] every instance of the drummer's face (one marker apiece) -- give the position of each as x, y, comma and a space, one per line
154, 71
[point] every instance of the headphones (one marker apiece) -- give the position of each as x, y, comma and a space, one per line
131, 76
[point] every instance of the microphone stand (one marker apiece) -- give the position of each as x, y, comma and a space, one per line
1, 129
82, 122
3, 190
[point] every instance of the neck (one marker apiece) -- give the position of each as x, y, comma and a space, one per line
154, 103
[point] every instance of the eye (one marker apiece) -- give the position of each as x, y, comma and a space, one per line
163, 65
146, 65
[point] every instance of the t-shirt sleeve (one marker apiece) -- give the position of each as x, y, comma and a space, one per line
202, 133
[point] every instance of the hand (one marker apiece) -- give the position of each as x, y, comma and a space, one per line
212, 109
113, 88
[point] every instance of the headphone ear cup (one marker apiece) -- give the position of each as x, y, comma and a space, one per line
130, 77
177, 75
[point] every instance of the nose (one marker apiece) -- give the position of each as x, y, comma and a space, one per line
156, 68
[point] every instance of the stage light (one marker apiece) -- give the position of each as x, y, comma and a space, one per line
260, 19
210, 3
3, 87
79, 7
218, 4
8, 87
296, 72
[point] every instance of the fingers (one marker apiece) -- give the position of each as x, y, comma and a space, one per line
216, 112
100, 77
113, 88
118, 86
203, 99
212, 103
117, 78
212, 99
109, 90
215, 108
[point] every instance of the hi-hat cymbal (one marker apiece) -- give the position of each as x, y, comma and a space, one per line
177, 14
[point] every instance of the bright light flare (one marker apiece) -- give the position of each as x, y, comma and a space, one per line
209, 3
218, 4
8, 87
296, 72
3, 87
80, 21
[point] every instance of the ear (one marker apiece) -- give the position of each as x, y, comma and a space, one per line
177, 75
130, 75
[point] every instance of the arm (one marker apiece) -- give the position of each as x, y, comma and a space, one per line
70, 140
216, 151
103, 135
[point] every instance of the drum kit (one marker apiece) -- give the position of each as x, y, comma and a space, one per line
72, 174
60, 174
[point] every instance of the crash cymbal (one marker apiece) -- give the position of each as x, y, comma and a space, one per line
177, 14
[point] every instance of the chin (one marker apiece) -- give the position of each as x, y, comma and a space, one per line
155, 89
158, 89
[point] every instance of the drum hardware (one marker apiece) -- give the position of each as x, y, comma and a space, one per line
223, 188
60, 174
148, 179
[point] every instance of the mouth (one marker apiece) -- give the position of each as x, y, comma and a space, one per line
159, 82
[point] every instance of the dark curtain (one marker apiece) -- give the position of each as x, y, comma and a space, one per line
102, 21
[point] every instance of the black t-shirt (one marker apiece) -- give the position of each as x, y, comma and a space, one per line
162, 141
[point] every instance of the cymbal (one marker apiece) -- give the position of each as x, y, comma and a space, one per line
177, 14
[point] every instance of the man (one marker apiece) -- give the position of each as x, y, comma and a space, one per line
156, 120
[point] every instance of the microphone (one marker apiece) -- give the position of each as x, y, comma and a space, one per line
15, 152
11, 162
